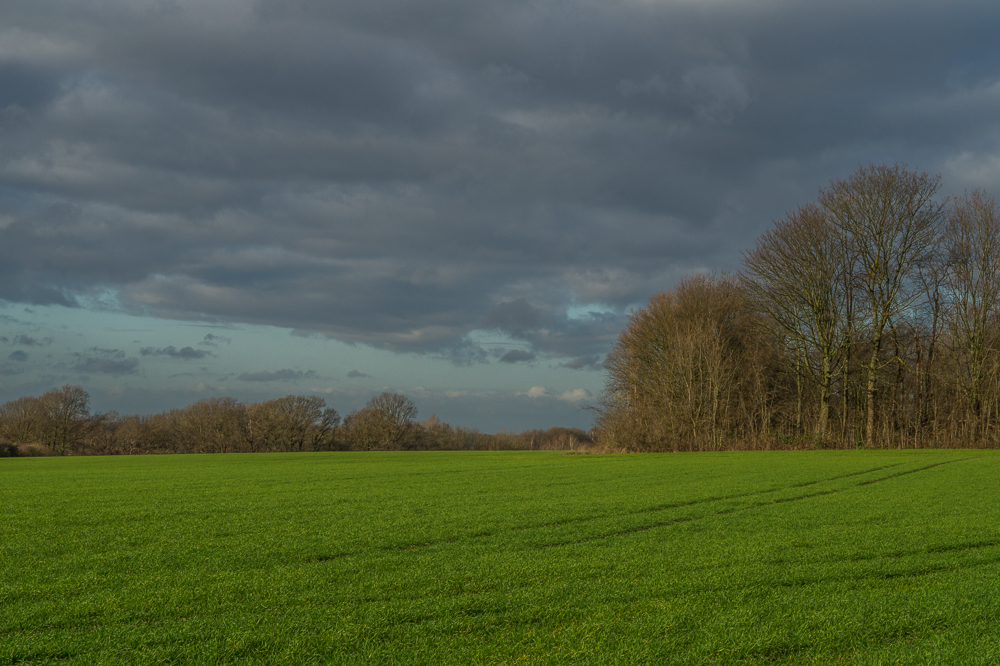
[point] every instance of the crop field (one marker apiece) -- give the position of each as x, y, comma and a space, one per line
502, 558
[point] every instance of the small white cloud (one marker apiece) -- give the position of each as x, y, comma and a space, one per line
576, 395
970, 170
573, 395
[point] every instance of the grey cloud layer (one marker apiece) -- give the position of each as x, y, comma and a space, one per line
285, 375
399, 174
105, 361
28, 341
184, 354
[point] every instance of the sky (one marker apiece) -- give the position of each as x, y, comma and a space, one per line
459, 201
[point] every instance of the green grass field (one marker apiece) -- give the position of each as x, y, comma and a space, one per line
502, 558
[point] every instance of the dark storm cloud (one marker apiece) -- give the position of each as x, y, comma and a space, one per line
28, 341
356, 374
285, 375
552, 331
18, 355
184, 354
513, 317
106, 353
401, 174
212, 340
105, 361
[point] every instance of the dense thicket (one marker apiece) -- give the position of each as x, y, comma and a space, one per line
60, 423
868, 318
692, 371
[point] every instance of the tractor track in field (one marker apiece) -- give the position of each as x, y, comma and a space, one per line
705, 500
758, 505
652, 509
914, 471
915, 572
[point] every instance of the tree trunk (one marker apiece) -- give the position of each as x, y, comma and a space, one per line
824, 399
872, 389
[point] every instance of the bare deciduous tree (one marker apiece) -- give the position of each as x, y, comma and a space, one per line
795, 277
213, 425
129, 434
972, 276
889, 219
382, 424
20, 420
681, 375
292, 423
65, 417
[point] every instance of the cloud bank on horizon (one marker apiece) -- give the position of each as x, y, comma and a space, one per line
407, 175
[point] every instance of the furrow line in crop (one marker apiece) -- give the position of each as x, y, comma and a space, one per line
964, 546
655, 509
756, 505
914, 471
846, 476
916, 572
706, 500
666, 523
913, 552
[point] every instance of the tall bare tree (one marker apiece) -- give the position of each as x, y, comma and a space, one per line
972, 276
890, 220
21, 420
926, 337
795, 277
65, 418
292, 423
382, 424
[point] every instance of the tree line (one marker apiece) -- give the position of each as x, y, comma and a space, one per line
868, 318
60, 422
